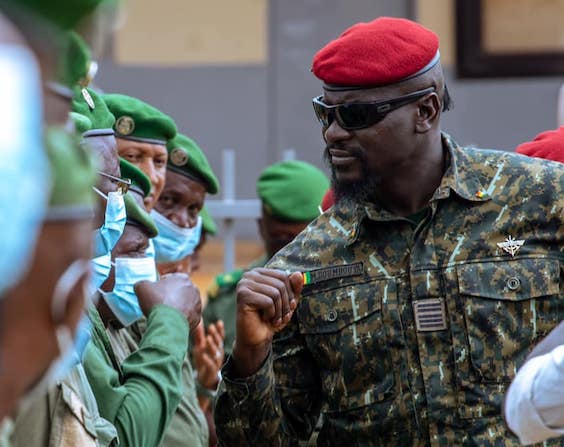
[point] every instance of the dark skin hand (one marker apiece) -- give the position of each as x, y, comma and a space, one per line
266, 301
174, 290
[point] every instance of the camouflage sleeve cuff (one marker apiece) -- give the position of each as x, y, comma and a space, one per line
253, 387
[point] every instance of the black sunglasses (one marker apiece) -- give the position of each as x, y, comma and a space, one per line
362, 114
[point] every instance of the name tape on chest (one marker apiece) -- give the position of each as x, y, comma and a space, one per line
333, 272
430, 315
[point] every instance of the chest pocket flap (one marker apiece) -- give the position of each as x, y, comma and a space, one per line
334, 309
513, 280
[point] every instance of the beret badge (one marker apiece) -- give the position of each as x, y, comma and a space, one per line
88, 98
125, 125
178, 157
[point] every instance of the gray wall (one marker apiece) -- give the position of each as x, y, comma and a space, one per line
262, 110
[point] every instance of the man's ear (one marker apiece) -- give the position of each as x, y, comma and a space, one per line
428, 112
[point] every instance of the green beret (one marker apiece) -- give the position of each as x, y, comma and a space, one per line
77, 62
138, 178
208, 224
88, 103
292, 190
64, 14
185, 157
137, 215
137, 120
75, 67
82, 123
72, 176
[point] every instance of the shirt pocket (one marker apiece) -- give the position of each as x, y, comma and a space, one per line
344, 332
508, 305
77, 427
80, 425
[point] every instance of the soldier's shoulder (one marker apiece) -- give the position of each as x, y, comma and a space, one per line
225, 283
317, 243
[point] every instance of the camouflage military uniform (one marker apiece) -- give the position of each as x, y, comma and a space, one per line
415, 340
222, 301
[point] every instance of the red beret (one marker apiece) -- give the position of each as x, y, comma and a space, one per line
548, 145
384, 51
328, 200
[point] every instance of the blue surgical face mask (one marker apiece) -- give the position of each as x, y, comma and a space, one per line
106, 237
24, 171
122, 301
150, 252
174, 243
100, 268
82, 338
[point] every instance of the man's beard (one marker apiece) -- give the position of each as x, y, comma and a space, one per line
355, 192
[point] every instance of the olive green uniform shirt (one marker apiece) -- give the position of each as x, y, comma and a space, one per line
188, 426
139, 395
410, 336
67, 415
222, 301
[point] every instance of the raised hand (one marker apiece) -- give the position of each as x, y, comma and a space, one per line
266, 300
174, 290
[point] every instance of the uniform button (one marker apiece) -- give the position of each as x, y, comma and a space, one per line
514, 283
332, 315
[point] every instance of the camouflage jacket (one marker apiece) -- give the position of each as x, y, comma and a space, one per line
408, 335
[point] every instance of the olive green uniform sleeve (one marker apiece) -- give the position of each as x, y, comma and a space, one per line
188, 426
140, 396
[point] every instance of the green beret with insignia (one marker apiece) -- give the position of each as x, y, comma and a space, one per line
136, 215
89, 104
292, 190
186, 158
72, 176
139, 181
139, 121
208, 224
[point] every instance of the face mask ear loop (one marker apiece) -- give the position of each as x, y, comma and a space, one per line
61, 295
100, 193
64, 286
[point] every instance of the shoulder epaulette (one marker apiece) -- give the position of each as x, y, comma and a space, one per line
224, 281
